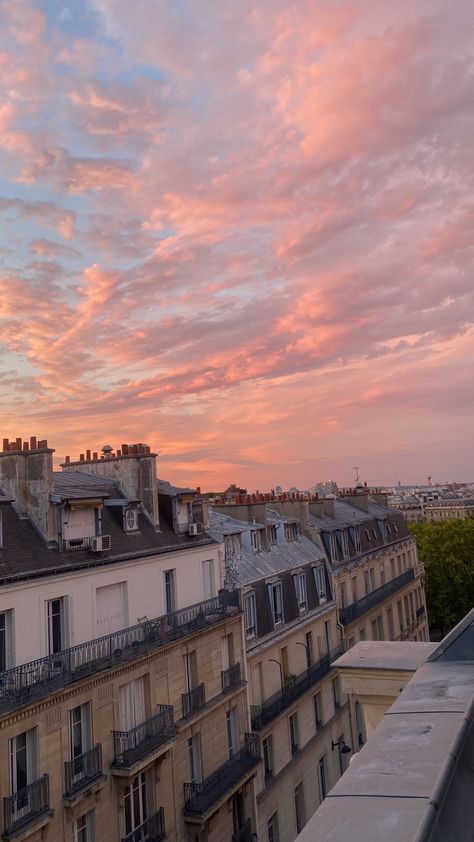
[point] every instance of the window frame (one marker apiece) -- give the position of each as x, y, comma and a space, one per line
276, 611
301, 591
250, 630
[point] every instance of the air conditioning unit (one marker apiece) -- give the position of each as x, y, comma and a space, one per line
100, 543
195, 528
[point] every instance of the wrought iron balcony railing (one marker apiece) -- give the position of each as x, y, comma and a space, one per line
361, 606
151, 830
230, 678
244, 833
131, 746
26, 806
193, 700
39, 678
263, 714
200, 797
83, 770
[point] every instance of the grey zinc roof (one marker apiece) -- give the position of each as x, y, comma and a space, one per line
257, 565
165, 487
76, 485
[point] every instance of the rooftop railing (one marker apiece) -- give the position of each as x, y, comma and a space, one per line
361, 606
131, 746
83, 770
39, 678
263, 714
151, 830
200, 797
26, 806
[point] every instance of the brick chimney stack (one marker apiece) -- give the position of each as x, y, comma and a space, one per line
26, 474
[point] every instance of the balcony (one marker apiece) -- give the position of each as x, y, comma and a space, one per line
37, 679
244, 833
193, 700
199, 798
131, 746
152, 829
273, 706
26, 806
83, 771
361, 606
230, 678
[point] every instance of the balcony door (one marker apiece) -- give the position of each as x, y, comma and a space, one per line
111, 608
136, 804
23, 771
132, 704
238, 812
80, 738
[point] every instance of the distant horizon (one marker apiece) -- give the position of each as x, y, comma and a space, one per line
241, 233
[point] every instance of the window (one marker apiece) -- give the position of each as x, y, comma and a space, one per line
83, 828
267, 748
336, 693
23, 764
299, 807
327, 634
111, 608
309, 648
272, 828
356, 534
377, 628
284, 662
351, 642
300, 587
170, 591
382, 574
344, 541
194, 759
391, 630
273, 534
275, 596
190, 671
367, 534
318, 710
208, 584
6, 639
322, 778
232, 727
320, 580
57, 628
294, 739
395, 527
132, 704
362, 634
366, 582
332, 545
372, 579
256, 539
343, 595
250, 615
291, 531
80, 739
392, 568
136, 805
228, 657
354, 589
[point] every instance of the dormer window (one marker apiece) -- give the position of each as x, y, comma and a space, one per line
291, 531
275, 595
320, 581
256, 540
130, 520
333, 546
273, 534
342, 533
299, 580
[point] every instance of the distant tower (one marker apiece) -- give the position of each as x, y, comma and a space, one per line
429, 480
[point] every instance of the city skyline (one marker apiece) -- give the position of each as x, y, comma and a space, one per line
240, 234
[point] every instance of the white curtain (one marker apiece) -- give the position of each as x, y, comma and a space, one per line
111, 608
132, 704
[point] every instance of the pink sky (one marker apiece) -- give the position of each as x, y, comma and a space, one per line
242, 233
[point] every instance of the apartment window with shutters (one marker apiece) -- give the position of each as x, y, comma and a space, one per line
57, 624
318, 710
299, 808
208, 583
250, 615
6, 640
320, 581
275, 595
84, 828
301, 594
272, 829
294, 736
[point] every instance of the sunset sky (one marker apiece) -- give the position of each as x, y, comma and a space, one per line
242, 232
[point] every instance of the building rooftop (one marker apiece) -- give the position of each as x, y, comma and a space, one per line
413, 778
387, 655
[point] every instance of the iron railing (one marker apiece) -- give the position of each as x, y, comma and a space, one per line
230, 678
25, 806
361, 606
193, 700
200, 797
39, 678
151, 830
244, 833
83, 770
263, 714
130, 746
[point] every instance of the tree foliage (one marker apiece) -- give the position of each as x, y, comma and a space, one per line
446, 548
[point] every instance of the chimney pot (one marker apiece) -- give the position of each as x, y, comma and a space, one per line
32, 442
119, 452
94, 455
67, 459
88, 455
6, 444
81, 457
18, 443
26, 445
125, 449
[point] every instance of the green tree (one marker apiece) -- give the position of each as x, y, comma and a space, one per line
447, 551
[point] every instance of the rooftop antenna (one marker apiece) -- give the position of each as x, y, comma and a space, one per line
357, 475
